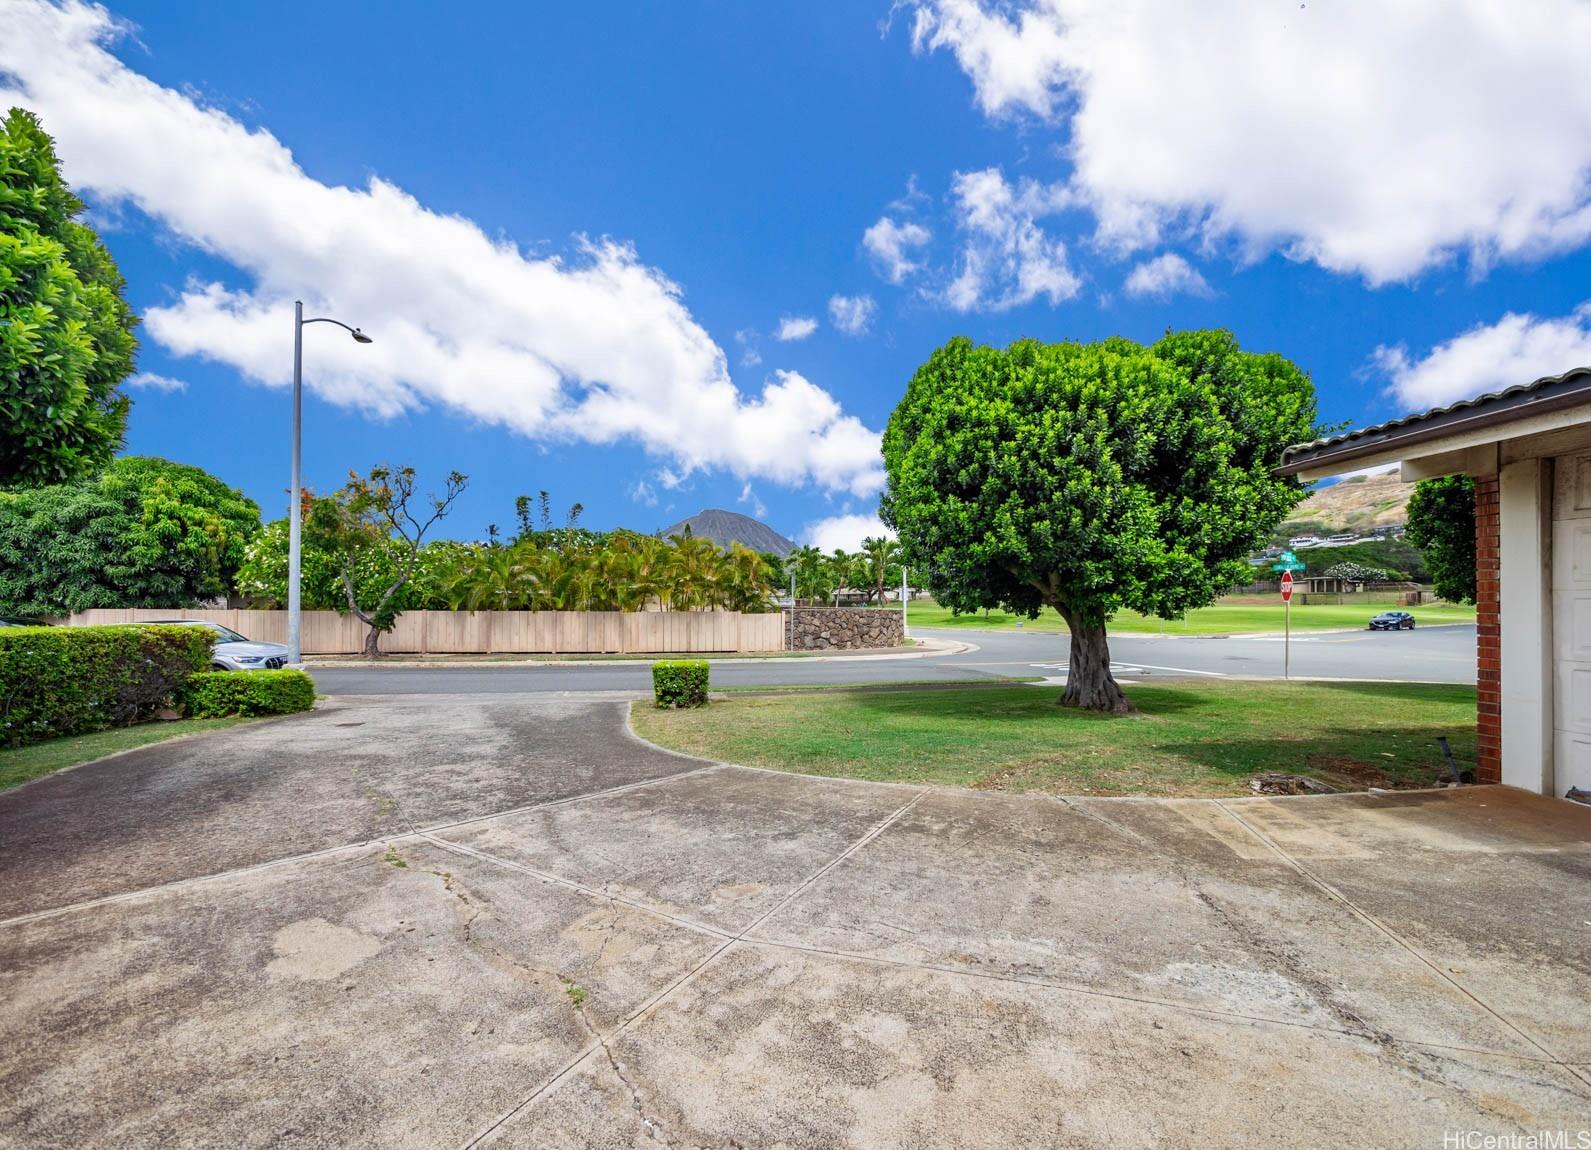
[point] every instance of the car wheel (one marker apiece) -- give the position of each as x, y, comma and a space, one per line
1411, 625
219, 667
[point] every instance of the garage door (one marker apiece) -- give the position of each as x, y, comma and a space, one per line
1571, 616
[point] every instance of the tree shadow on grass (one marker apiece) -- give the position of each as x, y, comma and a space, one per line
1345, 757
1027, 703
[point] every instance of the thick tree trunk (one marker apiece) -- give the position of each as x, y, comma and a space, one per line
372, 643
1089, 685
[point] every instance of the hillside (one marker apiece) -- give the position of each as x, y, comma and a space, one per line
726, 527
1356, 504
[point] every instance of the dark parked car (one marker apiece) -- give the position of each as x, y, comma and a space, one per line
19, 621
1392, 621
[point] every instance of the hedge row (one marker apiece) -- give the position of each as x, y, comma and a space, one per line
680, 682
215, 694
58, 681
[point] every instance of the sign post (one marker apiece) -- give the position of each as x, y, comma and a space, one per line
1287, 564
1287, 617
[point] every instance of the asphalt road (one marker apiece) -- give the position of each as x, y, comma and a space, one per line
1444, 654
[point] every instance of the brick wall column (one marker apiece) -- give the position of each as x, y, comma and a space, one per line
1488, 641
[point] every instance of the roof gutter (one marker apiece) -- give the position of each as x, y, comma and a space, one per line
1478, 418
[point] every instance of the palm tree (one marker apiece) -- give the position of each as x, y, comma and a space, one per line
878, 556
808, 563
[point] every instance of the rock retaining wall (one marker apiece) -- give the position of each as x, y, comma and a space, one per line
845, 628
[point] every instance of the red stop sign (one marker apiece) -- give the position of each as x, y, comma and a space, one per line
1287, 586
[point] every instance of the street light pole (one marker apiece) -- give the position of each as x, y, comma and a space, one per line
295, 652
295, 511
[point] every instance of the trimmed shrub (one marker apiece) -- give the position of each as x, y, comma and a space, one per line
680, 682
216, 694
58, 681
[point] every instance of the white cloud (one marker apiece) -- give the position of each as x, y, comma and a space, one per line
747, 495
1166, 276
852, 315
1007, 259
148, 380
643, 492
892, 247
1371, 138
595, 346
1488, 357
844, 531
794, 327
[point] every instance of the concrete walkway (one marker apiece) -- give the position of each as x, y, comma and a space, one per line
504, 921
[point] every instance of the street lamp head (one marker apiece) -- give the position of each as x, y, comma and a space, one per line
361, 337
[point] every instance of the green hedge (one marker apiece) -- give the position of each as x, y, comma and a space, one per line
216, 694
680, 682
58, 681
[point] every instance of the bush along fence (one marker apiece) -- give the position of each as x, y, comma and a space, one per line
493, 632
65, 681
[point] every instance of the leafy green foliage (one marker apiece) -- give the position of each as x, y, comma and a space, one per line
1091, 477
881, 565
143, 533
680, 682
217, 694
262, 576
1355, 573
1396, 557
65, 680
374, 522
622, 572
66, 333
1442, 526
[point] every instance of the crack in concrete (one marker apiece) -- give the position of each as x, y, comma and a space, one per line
333, 851
1335, 894
1272, 954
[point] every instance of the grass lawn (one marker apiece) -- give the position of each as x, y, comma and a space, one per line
1236, 614
1189, 739
24, 763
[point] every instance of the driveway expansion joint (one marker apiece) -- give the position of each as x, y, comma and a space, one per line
1435, 968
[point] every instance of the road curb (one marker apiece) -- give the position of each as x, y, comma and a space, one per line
930, 648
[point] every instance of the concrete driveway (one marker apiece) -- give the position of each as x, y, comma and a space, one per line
502, 920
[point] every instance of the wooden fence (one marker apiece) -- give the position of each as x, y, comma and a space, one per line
493, 632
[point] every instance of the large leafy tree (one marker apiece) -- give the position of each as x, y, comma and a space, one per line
143, 533
1092, 477
1442, 525
66, 333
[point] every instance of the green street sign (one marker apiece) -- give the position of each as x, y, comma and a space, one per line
1287, 565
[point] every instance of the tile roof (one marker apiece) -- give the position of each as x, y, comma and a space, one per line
1522, 397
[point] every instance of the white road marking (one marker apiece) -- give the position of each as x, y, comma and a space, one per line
1119, 669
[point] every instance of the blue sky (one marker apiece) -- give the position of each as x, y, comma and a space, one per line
591, 221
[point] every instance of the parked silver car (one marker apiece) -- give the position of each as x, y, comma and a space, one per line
232, 652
